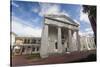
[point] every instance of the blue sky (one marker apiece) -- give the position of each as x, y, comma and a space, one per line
27, 17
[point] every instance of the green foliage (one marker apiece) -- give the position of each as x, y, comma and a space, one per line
91, 10
33, 56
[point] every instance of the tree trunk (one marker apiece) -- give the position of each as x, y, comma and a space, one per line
93, 24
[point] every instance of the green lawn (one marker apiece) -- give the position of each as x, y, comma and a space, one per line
33, 56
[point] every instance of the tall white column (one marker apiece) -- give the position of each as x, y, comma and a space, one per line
87, 44
60, 48
78, 41
44, 42
70, 40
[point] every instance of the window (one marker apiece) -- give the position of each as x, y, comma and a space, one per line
29, 46
37, 48
67, 44
89, 46
33, 48
23, 49
62, 42
83, 46
56, 45
66, 49
62, 36
28, 41
25, 41
39, 41
33, 41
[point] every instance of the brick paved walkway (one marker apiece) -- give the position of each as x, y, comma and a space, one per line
64, 58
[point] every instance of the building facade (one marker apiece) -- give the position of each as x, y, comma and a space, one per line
26, 45
87, 43
60, 34
57, 35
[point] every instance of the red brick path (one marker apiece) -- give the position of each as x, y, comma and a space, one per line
65, 58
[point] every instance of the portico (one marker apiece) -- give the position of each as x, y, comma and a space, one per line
57, 35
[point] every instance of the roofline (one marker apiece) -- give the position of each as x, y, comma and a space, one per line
27, 37
62, 21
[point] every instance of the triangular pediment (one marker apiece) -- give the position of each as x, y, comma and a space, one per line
62, 18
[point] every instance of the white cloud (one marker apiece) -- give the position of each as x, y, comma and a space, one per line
47, 8
35, 20
65, 13
87, 32
23, 30
82, 33
36, 10
84, 16
88, 29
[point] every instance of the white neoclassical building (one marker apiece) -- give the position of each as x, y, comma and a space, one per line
57, 35
60, 34
87, 43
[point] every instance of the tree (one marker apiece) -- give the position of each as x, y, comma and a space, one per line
91, 10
